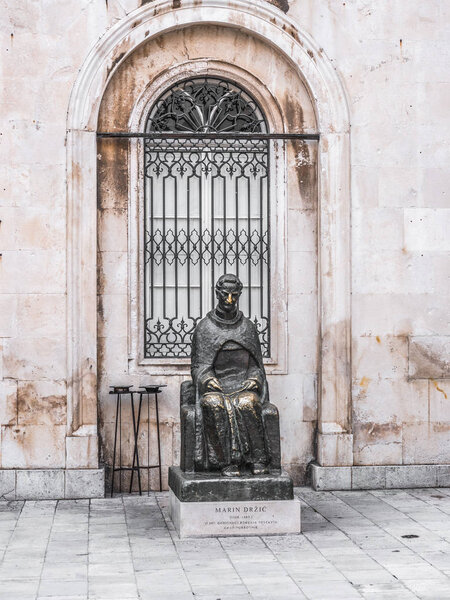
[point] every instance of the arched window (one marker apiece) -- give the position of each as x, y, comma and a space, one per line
206, 210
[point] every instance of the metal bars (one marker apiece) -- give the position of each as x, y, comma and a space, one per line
205, 172
207, 203
211, 136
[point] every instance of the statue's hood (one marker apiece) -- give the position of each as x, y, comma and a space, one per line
212, 333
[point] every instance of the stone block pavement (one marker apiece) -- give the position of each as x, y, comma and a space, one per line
390, 544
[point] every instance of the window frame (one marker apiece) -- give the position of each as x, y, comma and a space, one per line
137, 363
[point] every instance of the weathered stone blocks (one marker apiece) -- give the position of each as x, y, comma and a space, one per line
377, 443
411, 477
335, 449
41, 403
426, 229
84, 483
47, 484
379, 477
380, 357
7, 485
331, 478
8, 402
426, 443
41, 315
429, 357
369, 478
33, 446
39, 484
34, 358
82, 452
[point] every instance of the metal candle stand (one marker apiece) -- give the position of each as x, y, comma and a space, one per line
144, 391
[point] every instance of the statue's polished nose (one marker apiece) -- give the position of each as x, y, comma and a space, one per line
229, 300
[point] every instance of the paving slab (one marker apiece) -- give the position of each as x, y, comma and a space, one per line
372, 544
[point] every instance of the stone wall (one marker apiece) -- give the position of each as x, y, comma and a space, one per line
392, 59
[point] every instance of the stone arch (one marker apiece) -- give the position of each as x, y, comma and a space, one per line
327, 93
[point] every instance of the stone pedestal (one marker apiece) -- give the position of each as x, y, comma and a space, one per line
203, 505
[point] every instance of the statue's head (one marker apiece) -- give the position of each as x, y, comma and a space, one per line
228, 291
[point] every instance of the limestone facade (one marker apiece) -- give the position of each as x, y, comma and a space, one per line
360, 268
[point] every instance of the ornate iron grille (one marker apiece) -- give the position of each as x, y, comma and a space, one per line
206, 105
206, 211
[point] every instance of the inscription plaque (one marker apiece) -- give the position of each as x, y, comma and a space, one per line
202, 519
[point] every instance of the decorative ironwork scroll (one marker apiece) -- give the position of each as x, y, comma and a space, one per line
206, 211
206, 105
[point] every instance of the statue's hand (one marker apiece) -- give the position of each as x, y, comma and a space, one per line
213, 385
251, 384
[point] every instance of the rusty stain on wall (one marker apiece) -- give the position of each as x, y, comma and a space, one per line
379, 431
439, 389
364, 383
377, 443
304, 167
34, 407
115, 62
429, 357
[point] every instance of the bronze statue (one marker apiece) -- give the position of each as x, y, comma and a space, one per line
227, 421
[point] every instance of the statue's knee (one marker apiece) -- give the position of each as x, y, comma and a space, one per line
213, 401
248, 400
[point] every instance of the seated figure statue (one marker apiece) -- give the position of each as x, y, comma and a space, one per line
227, 421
